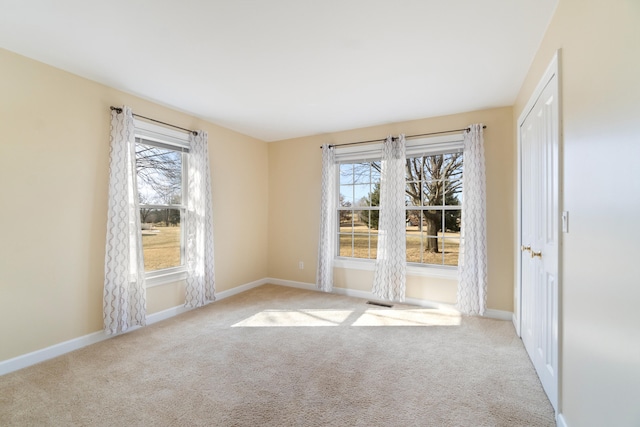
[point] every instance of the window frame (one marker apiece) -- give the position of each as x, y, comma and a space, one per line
443, 208
428, 146
353, 208
170, 139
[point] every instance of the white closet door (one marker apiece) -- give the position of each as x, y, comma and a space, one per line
539, 234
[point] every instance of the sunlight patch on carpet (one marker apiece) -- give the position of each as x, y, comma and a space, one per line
370, 317
295, 318
417, 317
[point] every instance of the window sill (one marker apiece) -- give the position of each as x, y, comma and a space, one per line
157, 278
412, 269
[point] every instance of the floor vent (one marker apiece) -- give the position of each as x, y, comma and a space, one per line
379, 304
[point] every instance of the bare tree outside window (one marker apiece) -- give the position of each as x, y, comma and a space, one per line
160, 183
159, 173
433, 197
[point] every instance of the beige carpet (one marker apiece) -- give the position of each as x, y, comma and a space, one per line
277, 356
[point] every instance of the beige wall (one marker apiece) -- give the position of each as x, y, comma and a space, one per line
294, 194
600, 326
54, 163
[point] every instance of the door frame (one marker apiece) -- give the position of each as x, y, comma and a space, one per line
553, 70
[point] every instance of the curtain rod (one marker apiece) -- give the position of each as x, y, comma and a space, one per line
467, 129
119, 110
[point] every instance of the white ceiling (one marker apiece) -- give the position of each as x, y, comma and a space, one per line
278, 69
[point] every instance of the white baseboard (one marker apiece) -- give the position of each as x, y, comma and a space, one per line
498, 314
489, 313
239, 289
560, 421
64, 347
47, 353
162, 315
411, 301
292, 284
29, 359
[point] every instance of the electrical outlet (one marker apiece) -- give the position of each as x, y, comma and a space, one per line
301, 265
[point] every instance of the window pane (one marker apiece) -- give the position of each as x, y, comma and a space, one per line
361, 194
431, 247
346, 224
375, 172
432, 222
452, 222
413, 169
374, 196
375, 220
451, 250
346, 195
414, 251
432, 250
373, 245
413, 194
161, 237
372, 219
451, 241
346, 242
362, 240
433, 167
363, 220
346, 174
362, 173
159, 175
453, 193
414, 222
433, 193
361, 246
453, 164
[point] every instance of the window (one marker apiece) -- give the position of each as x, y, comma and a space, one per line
433, 199
358, 210
161, 162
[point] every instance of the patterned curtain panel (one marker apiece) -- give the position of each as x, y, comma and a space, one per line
472, 262
328, 213
200, 287
124, 287
389, 280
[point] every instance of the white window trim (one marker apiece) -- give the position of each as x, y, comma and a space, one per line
442, 144
178, 140
413, 269
415, 147
162, 134
164, 276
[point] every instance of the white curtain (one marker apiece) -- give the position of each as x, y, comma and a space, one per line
389, 281
472, 262
328, 213
200, 283
124, 303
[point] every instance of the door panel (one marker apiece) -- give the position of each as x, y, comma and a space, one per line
539, 139
527, 232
